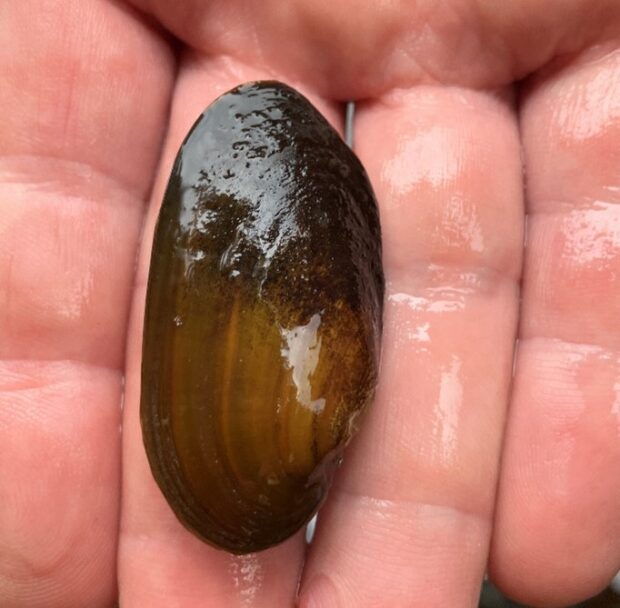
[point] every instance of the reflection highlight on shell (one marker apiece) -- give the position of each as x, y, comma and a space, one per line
263, 318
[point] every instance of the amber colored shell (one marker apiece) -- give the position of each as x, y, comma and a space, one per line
263, 317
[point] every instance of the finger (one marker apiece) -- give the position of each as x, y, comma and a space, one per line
408, 522
76, 155
159, 558
557, 537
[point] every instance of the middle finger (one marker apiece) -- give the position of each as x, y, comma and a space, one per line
408, 523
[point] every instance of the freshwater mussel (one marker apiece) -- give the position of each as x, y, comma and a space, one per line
263, 317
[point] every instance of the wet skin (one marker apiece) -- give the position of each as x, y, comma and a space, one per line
460, 468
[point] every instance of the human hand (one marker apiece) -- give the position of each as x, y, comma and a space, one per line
96, 99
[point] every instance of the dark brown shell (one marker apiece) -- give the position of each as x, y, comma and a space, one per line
263, 317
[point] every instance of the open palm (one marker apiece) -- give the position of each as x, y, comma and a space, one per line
461, 467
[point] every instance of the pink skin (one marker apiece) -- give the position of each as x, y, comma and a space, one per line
95, 100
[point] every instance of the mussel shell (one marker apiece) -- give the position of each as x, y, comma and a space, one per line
263, 317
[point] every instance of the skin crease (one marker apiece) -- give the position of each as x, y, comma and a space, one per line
96, 98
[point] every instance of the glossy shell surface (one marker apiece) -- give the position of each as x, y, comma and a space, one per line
263, 318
